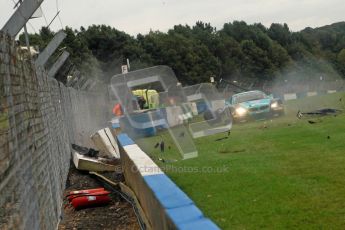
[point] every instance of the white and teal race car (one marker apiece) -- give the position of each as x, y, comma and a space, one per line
254, 105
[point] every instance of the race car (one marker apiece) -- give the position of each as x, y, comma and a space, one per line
254, 105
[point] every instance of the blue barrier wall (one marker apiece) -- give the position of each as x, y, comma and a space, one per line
164, 203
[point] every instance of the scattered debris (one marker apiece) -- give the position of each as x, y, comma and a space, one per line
89, 198
162, 146
100, 176
118, 214
318, 112
74, 193
224, 151
263, 126
105, 142
110, 161
85, 151
156, 145
222, 138
161, 159
83, 162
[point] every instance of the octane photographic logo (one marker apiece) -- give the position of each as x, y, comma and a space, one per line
152, 100
180, 169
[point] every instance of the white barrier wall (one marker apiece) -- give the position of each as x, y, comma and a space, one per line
290, 96
310, 94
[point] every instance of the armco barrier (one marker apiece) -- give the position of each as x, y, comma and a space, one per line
165, 204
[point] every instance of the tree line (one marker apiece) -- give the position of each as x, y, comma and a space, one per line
236, 51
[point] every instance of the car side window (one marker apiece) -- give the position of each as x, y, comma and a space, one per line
231, 100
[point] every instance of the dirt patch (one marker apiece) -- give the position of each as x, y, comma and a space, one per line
118, 214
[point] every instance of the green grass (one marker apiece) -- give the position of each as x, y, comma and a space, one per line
279, 174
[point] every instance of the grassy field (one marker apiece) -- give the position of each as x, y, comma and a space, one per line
279, 174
